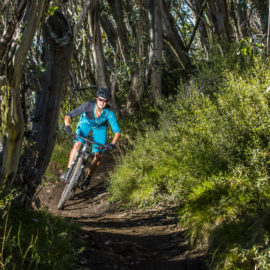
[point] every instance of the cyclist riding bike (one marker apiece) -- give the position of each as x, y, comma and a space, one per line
94, 118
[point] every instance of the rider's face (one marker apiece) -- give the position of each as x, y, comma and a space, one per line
101, 102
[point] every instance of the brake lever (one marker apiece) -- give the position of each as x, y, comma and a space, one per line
101, 147
74, 135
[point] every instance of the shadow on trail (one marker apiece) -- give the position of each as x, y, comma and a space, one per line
131, 240
83, 197
142, 243
134, 220
139, 252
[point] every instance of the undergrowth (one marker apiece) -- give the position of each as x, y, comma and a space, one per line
211, 156
36, 240
59, 158
32, 239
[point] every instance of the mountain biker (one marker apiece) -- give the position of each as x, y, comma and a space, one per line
94, 117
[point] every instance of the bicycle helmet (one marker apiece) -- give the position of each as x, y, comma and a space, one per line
104, 93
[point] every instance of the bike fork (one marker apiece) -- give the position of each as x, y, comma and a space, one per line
79, 176
72, 165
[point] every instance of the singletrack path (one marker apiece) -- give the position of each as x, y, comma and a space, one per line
123, 239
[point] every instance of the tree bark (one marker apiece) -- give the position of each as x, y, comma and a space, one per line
243, 20
14, 121
57, 50
171, 36
117, 11
138, 79
239, 13
129, 8
99, 59
83, 13
109, 29
198, 6
262, 10
218, 16
155, 50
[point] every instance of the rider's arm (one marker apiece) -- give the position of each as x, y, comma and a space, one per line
79, 110
116, 137
115, 127
67, 120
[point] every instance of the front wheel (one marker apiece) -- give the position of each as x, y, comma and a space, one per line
68, 190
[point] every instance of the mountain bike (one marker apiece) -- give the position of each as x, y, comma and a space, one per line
75, 173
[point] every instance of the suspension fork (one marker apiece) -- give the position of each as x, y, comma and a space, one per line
85, 157
72, 165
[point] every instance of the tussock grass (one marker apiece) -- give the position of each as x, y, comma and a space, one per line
31, 239
37, 240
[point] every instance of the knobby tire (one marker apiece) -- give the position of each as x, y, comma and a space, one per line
67, 192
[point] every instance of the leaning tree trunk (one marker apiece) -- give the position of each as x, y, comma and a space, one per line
172, 37
109, 29
197, 10
57, 57
117, 11
155, 50
12, 124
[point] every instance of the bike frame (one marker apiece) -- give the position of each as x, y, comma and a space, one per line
84, 151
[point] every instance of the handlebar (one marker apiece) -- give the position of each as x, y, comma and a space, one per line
88, 140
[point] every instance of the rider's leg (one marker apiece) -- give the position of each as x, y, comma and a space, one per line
73, 152
99, 136
76, 147
94, 165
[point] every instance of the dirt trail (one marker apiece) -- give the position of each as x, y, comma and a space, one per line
121, 239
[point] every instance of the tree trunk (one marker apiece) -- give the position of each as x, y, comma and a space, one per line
262, 10
109, 29
218, 16
243, 21
99, 59
197, 8
13, 121
171, 36
137, 83
129, 8
239, 13
155, 50
57, 50
117, 11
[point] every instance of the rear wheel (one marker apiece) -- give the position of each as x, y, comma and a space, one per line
68, 191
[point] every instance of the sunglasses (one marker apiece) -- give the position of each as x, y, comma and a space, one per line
102, 100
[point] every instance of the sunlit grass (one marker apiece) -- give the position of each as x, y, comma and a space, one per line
211, 156
59, 158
